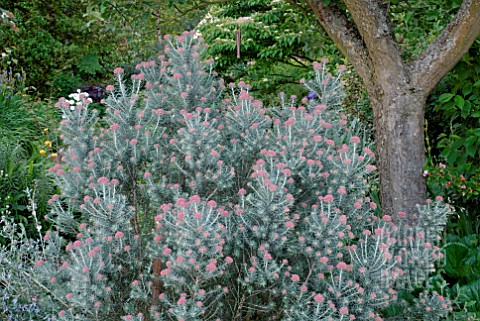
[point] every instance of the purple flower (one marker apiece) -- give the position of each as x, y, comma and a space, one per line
311, 95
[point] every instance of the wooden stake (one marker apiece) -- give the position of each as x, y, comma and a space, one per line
239, 38
157, 283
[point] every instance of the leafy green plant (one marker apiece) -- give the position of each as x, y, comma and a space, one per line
418, 22
454, 136
21, 169
57, 50
23, 158
453, 170
462, 270
278, 45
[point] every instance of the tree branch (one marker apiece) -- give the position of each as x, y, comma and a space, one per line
178, 9
304, 58
298, 61
373, 23
346, 37
448, 48
298, 6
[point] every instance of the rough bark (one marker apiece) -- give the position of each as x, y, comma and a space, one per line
400, 149
397, 90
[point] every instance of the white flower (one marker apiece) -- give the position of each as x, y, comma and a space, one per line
77, 96
74, 96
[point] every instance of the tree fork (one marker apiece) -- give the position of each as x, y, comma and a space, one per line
397, 89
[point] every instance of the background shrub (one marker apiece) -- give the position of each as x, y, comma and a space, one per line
454, 132
23, 154
59, 52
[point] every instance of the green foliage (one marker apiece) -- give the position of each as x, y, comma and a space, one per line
65, 82
462, 270
21, 167
54, 41
454, 111
357, 102
417, 23
143, 18
278, 44
17, 172
90, 65
453, 137
21, 164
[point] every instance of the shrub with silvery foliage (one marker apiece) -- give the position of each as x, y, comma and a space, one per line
191, 200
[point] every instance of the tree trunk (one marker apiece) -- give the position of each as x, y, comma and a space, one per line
399, 134
397, 89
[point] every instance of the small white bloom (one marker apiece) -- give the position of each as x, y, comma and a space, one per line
75, 96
